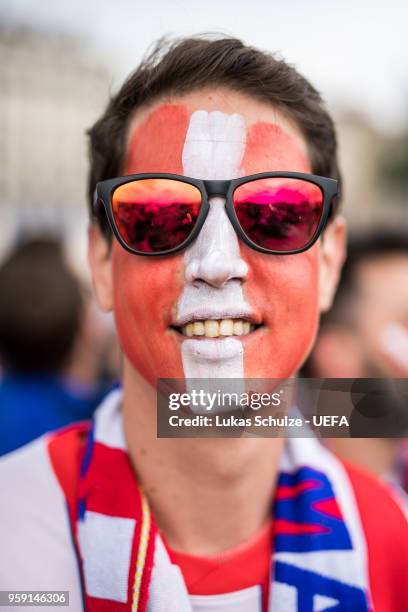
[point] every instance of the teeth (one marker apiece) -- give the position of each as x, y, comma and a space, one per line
226, 327
213, 329
189, 329
198, 328
238, 328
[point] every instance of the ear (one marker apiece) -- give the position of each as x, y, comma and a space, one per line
332, 255
100, 261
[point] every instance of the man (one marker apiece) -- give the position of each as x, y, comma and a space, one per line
204, 282
44, 328
365, 334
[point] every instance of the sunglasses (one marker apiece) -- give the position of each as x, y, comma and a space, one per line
280, 213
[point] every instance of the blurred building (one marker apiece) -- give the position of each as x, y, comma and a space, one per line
366, 157
51, 92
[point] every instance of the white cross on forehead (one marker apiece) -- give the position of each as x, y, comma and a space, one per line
214, 145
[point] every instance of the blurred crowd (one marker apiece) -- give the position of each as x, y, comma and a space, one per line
58, 352
365, 335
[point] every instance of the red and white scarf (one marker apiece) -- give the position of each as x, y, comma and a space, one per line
319, 551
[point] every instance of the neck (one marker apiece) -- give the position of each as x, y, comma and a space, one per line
207, 494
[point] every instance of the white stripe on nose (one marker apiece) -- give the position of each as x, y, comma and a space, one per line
214, 147
215, 258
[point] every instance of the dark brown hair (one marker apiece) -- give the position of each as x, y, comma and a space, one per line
41, 308
182, 66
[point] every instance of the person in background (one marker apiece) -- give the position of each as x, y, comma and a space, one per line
365, 335
48, 345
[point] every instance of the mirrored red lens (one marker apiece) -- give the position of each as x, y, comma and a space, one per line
155, 215
280, 214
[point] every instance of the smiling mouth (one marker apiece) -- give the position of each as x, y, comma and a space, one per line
217, 328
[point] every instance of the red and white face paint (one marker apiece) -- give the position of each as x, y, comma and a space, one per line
217, 278
214, 268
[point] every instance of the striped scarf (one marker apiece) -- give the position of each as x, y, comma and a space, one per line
319, 553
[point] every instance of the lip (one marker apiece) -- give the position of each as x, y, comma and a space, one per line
216, 315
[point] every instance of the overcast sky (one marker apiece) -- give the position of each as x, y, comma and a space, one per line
354, 51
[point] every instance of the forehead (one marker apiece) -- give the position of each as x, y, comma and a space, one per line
267, 139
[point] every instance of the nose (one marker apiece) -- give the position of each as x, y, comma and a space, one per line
215, 256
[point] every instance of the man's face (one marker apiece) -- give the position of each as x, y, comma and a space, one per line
217, 135
381, 314
372, 340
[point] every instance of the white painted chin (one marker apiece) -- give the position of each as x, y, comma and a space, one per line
212, 358
213, 349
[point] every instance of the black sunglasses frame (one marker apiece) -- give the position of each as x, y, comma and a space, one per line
209, 189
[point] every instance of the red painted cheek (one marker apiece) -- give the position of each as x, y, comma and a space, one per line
269, 148
157, 144
146, 288
285, 291
144, 292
